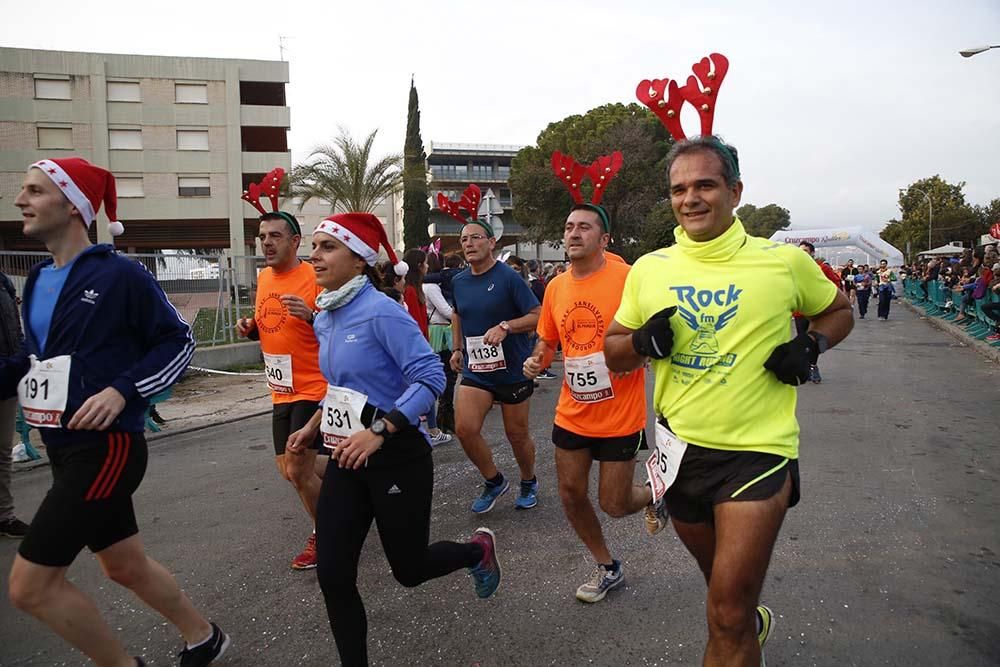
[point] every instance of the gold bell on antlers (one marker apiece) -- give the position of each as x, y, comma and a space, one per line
671, 113
704, 107
711, 75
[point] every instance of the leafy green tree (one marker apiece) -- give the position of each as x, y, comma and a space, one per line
953, 220
541, 202
346, 174
416, 210
764, 221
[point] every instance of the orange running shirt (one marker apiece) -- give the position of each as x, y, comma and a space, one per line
578, 313
289, 343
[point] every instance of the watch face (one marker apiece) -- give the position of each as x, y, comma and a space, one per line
378, 427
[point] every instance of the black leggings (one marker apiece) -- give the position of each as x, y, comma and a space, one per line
399, 499
863, 296
884, 301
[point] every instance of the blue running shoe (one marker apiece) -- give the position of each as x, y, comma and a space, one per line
488, 498
528, 497
486, 575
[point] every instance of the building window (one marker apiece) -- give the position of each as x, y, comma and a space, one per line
192, 140
191, 93
129, 186
53, 89
505, 199
503, 171
125, 140
123, 91
193, 186
55, 137
482, 170
450, 171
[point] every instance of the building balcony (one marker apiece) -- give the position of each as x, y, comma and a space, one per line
264, 116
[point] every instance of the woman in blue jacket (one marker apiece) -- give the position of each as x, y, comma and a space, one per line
382, 376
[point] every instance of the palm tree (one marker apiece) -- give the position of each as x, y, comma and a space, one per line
345, 174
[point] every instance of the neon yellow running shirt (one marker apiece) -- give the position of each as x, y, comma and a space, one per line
735, 296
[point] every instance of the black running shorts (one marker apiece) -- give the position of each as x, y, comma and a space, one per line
90, 502
708, 477
621, 448
287, 418
508, 394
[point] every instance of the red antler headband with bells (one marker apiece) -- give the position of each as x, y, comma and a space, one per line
665, 98
601, 172
469, 202
270, 186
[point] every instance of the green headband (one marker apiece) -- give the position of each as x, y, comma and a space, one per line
287, 217
601, 213
484, 225
727, 155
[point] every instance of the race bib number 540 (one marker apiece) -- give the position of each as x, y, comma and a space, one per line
42, 392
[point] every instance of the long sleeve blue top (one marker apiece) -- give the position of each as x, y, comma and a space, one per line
373, 346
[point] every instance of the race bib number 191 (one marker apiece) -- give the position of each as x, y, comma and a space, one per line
42, 392
665, 461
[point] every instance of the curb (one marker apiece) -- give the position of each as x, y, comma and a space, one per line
25, 466
985, 349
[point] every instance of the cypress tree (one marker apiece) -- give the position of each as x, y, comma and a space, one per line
416, 211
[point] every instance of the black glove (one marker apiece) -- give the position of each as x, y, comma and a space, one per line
791, 361
655, 338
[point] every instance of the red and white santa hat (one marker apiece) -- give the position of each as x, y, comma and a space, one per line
362, 233
85, 186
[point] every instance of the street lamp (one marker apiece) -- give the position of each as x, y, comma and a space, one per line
968, 53
930, 213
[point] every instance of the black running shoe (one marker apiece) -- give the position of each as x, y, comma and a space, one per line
204, 654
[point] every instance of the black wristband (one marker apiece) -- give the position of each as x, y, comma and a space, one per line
822, 344
397, 419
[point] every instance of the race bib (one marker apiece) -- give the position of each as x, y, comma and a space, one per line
278, 369
42, 392
588, 378
341, 415
484, 358
663, 464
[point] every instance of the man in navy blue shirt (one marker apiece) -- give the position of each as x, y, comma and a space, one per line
495, 314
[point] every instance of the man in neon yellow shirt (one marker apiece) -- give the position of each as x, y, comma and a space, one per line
713, 314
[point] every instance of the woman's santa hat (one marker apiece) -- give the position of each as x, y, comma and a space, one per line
363, 234
85, 186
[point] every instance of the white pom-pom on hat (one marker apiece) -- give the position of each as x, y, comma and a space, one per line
116, 228
401, 268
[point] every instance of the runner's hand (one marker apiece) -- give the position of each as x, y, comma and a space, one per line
457, 361
98, 412
244, 326
532, 366
300, 440
655, 338
355, 450
296, 306
495, 335
791, 361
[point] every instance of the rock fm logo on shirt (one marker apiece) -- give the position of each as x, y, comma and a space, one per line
706, 312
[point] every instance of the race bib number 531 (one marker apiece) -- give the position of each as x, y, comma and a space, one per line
342, 410
42, 392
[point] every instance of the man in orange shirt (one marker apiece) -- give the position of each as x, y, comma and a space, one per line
600, 415
282, 321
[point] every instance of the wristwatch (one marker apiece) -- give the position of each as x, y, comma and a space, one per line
821, 342
505, 326
378, 427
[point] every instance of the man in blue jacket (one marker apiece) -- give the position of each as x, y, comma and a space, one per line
100, 339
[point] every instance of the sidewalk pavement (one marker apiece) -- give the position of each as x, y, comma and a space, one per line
199, 400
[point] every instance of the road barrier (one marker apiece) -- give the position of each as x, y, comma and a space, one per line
942, 302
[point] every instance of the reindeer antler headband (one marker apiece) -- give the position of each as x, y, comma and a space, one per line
270, 187
665, 98
601, 172
469, 202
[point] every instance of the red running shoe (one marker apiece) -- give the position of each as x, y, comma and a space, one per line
307, 559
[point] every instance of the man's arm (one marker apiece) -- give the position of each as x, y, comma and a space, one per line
540, 359
836, 321
527, 322
457, 342
619, 353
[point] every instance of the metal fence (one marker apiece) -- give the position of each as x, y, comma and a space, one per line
209, 291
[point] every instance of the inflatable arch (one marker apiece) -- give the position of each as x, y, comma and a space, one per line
872, 248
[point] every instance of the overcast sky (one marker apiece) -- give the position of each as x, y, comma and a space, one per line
832, 108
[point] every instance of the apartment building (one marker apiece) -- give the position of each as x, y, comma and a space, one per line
183, 137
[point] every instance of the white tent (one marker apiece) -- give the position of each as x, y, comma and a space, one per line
947, 250
866, 241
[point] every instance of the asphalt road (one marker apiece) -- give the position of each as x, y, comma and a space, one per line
891, 558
